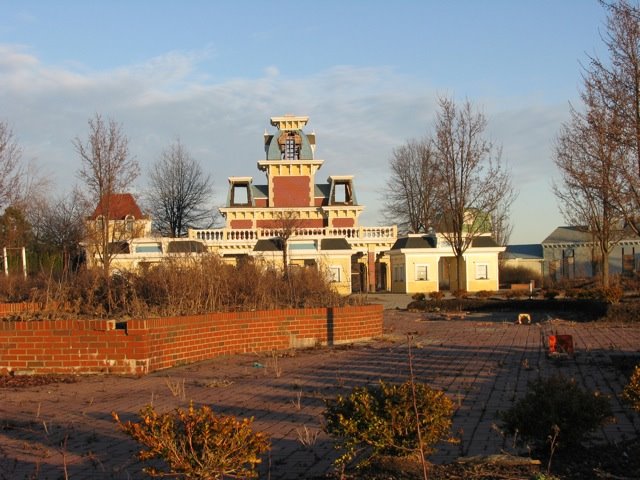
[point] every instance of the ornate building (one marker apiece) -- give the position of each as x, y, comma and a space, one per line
294, 218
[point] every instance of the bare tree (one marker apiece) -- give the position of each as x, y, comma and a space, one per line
590, 154
107, 168
617, 83
11, 172
286, 224
411, 193
59, 226
475, 184
179, 192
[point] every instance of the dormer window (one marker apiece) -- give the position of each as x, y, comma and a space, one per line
129, 223
240, 192
341, 191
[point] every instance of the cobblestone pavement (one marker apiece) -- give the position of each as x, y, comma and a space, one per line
483, 361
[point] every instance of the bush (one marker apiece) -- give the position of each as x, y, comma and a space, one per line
631, 393
438, 295
551, 294
556, 401
484, 294
518, 274
380, 420
419, 297
612, 294
196, 444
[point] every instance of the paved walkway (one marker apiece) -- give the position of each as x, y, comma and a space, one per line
483, 362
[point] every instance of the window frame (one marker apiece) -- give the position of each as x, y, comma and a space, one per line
426, 272
479, 276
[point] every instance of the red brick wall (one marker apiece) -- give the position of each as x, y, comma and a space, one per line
291, 192
98, 346
343, 222
298, 223
241, 224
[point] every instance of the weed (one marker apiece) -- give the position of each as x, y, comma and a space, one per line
297, 403
307, 437
631, 393
177, 388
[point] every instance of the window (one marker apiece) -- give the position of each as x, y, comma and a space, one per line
482, 271
398, 273
148, 248
128, 223
422, 273
100, 223
240, 195
334, 273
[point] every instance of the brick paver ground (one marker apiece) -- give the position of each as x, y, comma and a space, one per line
483, 361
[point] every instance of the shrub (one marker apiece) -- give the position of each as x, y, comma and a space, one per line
556, 402
518, 274
419, 297
197, 444
484, 294
514, 293
612, 294
380, 420
438, 295
460, 293
551, 294
631, 393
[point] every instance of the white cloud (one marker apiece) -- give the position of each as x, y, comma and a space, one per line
359, 115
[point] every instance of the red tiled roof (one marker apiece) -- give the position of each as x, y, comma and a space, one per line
118, 206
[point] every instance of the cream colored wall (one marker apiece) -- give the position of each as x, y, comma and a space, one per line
491, 260
421, 286
326, 261
397, 260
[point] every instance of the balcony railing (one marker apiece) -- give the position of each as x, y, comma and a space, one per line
230, 235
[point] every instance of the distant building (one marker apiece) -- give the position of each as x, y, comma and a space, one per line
426, 263
570, 252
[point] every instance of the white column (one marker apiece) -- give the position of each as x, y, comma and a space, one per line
24, 261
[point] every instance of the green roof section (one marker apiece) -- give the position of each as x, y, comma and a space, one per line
334, 244
424, 241
272, 149
268, 245
484, 241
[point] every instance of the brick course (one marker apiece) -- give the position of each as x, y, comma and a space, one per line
140, 346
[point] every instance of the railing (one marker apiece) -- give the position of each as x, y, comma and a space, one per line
229, 235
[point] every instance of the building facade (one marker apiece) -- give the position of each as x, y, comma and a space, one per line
292, 217
297, 218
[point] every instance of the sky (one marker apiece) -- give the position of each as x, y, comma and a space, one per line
367, 73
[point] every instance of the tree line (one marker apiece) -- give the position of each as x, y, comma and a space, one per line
597, 150
54, 227
453, 180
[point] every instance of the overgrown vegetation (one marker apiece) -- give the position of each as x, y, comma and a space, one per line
380, 420
176, 287
196, 444
518, 274
631, 392
556, 409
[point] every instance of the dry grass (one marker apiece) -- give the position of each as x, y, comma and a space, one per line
179, 287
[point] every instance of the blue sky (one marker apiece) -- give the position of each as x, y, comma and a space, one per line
367, 73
